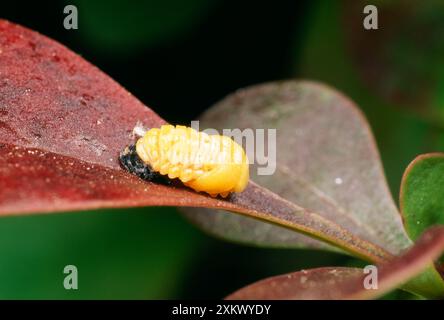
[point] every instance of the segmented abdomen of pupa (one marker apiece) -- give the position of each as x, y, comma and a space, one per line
210, 163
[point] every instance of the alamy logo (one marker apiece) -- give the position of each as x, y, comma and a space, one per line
371, 19
259, 144
70, 282
71, 21
371, 280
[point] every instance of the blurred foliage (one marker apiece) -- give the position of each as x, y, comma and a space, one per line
119, 254
124, 26
145, 253
325, 56
180, 57
402, 62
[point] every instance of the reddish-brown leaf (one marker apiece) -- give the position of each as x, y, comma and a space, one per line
348, 283
34, 180
326, 161
52, 99
62, 125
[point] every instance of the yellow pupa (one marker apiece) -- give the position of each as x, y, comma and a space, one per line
213, 164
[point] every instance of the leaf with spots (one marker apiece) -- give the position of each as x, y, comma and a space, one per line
326, 161
64, 123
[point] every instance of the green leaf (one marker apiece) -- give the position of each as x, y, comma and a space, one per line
422, 205
422, 193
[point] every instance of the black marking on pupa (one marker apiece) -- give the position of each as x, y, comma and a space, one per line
130, 160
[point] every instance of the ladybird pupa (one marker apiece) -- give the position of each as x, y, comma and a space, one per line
213, 164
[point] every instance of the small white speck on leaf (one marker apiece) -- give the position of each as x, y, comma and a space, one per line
338, 181
139, 130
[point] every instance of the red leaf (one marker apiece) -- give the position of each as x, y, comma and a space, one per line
62, 125
52, 99
348, 283
34, 180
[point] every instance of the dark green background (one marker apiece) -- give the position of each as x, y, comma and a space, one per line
179, 57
